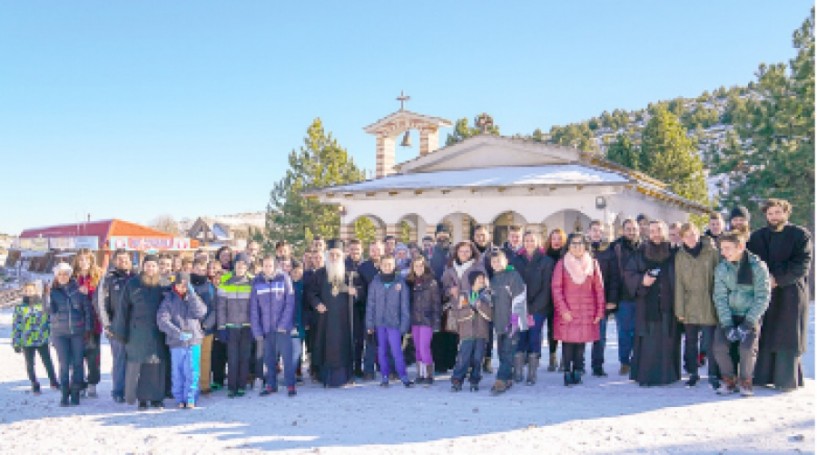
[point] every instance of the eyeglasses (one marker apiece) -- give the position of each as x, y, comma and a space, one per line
576, 244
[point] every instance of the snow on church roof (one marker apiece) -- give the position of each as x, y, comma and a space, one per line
554, 174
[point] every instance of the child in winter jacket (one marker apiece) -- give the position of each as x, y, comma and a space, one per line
29, 335
509, 297
233, 318
272, 305
473, 316
387, 313
179, 317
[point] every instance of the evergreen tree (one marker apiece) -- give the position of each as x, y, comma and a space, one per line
624, 152
319, 163
579, 136
667, 154
365, 230
463, 131
779, 124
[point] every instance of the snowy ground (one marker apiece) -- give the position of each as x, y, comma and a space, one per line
608, 415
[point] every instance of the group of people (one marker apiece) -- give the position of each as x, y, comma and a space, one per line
179, 328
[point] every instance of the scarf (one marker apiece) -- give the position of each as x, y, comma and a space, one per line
387, 278
197, 280
461, 268
694, 252
554, 254
657, 253
579, 269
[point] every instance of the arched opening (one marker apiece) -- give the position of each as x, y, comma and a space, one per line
367, 229
502, 224
459, 225
570, 220
412, 228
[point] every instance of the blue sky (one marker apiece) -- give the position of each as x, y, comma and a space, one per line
136, 109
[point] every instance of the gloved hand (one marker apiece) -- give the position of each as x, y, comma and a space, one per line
731, 333
745, 329
18, 349
185, 336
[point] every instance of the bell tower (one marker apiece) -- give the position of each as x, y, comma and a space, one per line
389, 128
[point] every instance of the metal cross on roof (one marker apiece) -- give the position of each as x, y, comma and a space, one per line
402, 98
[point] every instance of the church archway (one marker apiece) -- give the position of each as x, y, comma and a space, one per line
412, 227
459, 225
570, 220
503, 222
366, 228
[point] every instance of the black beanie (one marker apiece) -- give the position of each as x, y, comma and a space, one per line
740, 211
472, 277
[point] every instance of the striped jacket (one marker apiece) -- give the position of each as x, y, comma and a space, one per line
29, 326
233, 301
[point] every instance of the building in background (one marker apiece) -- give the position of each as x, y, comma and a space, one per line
235, 230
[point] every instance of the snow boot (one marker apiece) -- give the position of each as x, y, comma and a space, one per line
693, 379
456, 385
518, 366
65, 394
553, 364
599, 372
533, 365
499, 387
577, 377
745, 387
75, 395
568, 379
486, 366
728, 386
429, 374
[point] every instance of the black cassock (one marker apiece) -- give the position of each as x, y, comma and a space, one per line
784, 330
332, 349
657, 344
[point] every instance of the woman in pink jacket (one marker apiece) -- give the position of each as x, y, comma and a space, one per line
578, 299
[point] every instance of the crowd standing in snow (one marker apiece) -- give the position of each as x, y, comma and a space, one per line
180, 327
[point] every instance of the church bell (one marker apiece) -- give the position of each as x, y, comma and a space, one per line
406, 142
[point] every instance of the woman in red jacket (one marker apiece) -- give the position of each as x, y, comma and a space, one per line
578, 299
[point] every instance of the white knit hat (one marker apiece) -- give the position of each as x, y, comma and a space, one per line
63, 267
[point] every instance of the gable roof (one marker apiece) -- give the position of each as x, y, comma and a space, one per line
405, 115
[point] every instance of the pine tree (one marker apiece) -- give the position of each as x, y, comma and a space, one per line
779, 125
319, 163
463, 131
667, 154
624, 152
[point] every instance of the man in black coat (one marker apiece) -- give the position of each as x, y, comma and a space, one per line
625, 248
354, 261
611, 275
108, 298
442, 252
786, 249
135, 326
367, 270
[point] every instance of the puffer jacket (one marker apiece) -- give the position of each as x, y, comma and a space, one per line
109, 294
694, 281
272, 304
181, 314
207, 293
452, 278
69, 310
388, 306
508, 298
536, 272
426, 303
743, 300
29, 326
585, 302
474, 317
605, 254
233, 301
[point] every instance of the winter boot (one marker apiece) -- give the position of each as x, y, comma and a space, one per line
65, 392
577, 377
75, 395
421, 374
599, 372
518, 366
291, 392
693, 379
486, 366
35, 388
456, 385
728, 386
553, 365
429, 374
533, 365
746, 388
568, 379
143, 406
499, 387
92, 391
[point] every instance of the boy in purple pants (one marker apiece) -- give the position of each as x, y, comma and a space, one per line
387, 313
